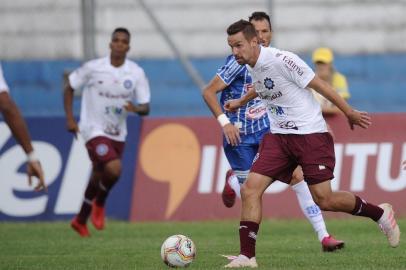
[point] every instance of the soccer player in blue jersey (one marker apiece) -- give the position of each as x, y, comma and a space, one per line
243, 130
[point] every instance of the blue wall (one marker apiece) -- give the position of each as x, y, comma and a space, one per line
377, 84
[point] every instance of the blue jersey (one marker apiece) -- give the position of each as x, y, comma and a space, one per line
252, 117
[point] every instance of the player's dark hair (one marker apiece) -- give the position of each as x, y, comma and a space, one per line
121, 30
259, 16
243, 26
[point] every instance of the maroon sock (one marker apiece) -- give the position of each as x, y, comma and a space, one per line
103, 190
86, 208
365, 209
248, 238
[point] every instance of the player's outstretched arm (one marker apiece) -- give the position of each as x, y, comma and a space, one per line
354, 117
234, 104
20, 132
71, 124
231, 133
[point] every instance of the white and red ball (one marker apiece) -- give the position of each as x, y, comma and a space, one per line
178, 251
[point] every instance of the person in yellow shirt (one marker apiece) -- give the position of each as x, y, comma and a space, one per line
323, 60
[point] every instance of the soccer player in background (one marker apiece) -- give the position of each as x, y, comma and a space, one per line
243, 131
298, 136
323, 59
112, 87
19, 129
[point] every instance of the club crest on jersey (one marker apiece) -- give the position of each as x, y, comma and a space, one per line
269, 84
128, 84
102, 149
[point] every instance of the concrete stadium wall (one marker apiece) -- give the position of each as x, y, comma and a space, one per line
51, 29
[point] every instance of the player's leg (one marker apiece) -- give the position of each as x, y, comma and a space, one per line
317, 160
240, 159
111, 174
312, 212
105, 155
343, 201
79, 221
271, 160
251, 215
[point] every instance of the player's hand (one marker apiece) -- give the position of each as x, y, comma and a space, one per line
232, 105
404, 164
34, 169
129, 107
72, 127
232, 134
358, 118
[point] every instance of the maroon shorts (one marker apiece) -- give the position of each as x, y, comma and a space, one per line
280, 154
102, 150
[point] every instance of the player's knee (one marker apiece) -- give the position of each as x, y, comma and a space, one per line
113, 169
323, 202
248, 192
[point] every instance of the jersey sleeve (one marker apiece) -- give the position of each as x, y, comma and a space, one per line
3, 84
294, 69
340, 85
230, 70
142, 90
79, 77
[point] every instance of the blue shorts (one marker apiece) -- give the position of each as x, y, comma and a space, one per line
240, 157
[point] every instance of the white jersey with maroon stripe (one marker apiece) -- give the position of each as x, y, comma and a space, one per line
281, 79
106, 89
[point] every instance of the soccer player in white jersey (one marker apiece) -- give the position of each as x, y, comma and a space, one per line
298, 137
112, 87
19, 129
243, 131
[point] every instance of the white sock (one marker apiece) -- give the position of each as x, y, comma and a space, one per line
235, 184
310, 209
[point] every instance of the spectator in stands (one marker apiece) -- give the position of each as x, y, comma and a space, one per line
112, 86
323, 60
19, 129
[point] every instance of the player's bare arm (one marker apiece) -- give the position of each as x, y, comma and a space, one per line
15, 122
71, 124
234, 104
354, 117
20, 132
140, 109
231, 133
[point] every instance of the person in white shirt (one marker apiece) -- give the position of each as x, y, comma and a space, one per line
298, 137
243, 132
112, 87
18, 127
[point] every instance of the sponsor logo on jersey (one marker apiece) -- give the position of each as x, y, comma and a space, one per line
102, 149
276, 110
269, 84
276, 95
128, 84
288, 125
292, 65
256, 111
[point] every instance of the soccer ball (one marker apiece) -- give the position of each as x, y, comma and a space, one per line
178, 251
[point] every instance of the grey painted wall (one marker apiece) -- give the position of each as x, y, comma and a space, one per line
51, 29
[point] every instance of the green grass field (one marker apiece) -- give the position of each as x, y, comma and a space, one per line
282, 244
